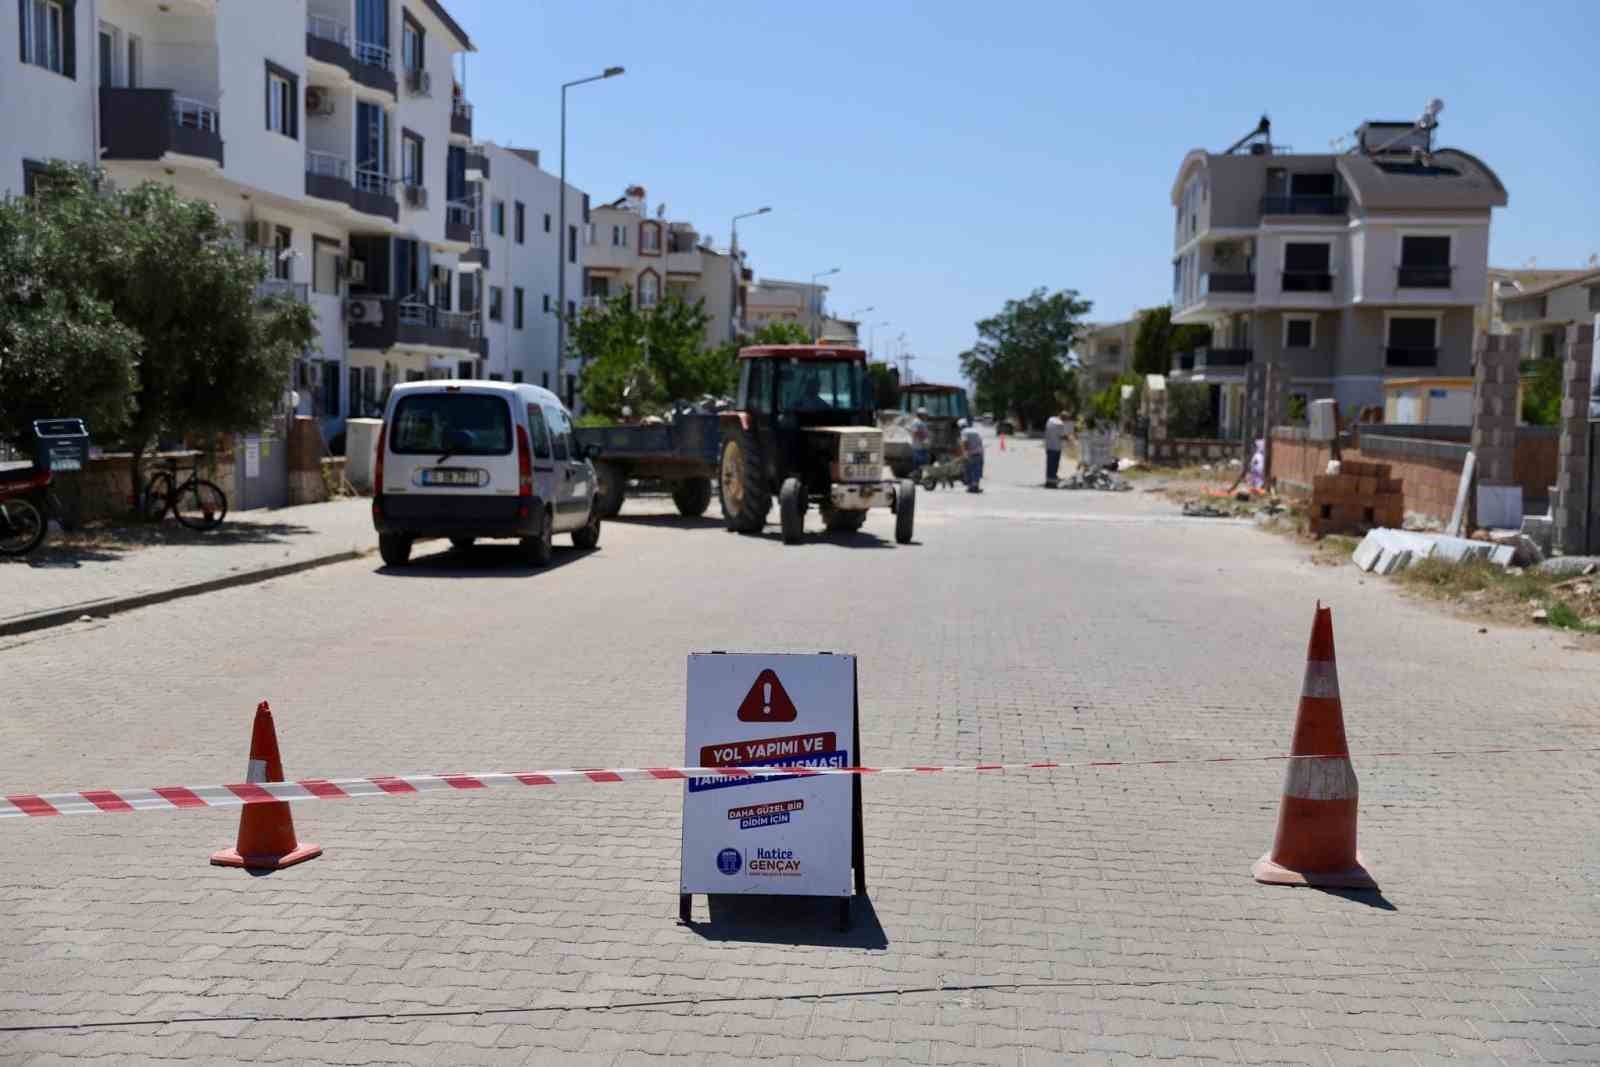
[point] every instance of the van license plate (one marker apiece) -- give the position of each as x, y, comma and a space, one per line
447, 476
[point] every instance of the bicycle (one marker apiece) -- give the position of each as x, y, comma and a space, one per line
197, 503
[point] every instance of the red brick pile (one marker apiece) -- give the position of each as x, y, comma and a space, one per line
1361, 496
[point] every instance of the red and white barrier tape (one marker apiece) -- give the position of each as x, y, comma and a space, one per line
169, 798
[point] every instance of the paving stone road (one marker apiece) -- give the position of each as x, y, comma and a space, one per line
1083, 916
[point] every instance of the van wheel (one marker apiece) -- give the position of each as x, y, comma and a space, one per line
395, 550
537, 549
588, 535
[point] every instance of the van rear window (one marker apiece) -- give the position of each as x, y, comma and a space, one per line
474, 423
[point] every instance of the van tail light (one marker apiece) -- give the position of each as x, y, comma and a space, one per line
377, 478
524, 471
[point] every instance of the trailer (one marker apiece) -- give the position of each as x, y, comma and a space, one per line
680, 455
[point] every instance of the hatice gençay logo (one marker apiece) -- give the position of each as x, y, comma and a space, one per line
729, 861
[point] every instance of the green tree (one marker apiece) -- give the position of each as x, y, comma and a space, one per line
885, 380
781, 333
209, 355
1020, 363
1158, 340
1541, 392
647, 360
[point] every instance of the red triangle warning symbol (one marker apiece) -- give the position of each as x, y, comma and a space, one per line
766, 701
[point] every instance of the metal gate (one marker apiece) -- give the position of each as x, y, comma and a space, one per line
261, 472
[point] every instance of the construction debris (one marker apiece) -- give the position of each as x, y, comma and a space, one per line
1205, 511
1096, 478
1387, 551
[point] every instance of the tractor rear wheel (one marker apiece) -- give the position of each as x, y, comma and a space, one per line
746, 499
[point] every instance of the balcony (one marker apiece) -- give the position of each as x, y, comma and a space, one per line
1423, 277
461, 118
1222, 357
460, 222
684, 262
328, 41
373, 194
328, 177
1304, 281
374, 68
1305, 205
1217, 282
477, 166
299, 292
1411, 357
409, 323
151, 124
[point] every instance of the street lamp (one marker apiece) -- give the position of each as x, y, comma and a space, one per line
733, 256
872, 332
816, 314
855, 317
561, 236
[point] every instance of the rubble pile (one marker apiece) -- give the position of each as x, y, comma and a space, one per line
1096, 478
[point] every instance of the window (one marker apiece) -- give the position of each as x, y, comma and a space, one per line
49, 35
516, 377
133, 75
1424, 262
560, 432
443, 282
455, 174
649, 289
1413, 341
516, 307
814, 385
372, 31
497, 218
649, 239
572, 244
413, 50
544, 379
547, 303
496, 303
283, 101
108, 56
1299, 332
619, 237
465, 370
1306, 268
282, 253
423, 421
469, 293
372, 142
538, 430
329, 387
572, 309
522, 222
547, 224
32, 175
411, 158
325, 266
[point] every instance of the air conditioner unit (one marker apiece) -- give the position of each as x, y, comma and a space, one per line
420, 82
355, 271
416, 196
364, 312
319, 101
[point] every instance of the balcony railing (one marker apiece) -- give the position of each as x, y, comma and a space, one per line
328, 165
1411, 356
147, 124
373, 55
1218, 282
374, 194
460, 217
375, 182
326, 29
1305, 205
1305, 281
1424, 277
300, 292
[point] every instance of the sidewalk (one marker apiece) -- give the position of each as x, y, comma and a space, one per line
100, 572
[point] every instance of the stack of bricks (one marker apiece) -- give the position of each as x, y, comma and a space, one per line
1361, 496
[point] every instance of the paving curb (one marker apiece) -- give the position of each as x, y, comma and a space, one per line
44, 620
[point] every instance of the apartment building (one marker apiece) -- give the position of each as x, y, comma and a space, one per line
626, 250
1538, 315
1105, 351
775, 300
329, 133
520, 205
1346, 270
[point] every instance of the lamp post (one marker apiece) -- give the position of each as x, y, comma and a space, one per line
562, 239
855, 317
872, 333
733, 255
816, 313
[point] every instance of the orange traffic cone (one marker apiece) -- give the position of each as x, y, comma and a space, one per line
266, 830
1316, 840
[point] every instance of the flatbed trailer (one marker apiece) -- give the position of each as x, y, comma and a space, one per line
681, 455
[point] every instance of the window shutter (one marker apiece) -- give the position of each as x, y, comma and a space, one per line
69, 38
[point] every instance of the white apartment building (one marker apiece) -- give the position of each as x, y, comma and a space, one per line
329, 133
652, 258
1346, 270
520, 205
775, 300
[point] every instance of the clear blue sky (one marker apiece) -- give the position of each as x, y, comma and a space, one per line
948, 156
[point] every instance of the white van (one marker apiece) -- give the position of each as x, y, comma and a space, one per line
471, 459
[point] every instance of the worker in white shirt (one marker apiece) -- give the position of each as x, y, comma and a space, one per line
972, 449
1056, 428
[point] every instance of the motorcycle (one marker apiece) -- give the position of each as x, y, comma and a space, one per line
24, 505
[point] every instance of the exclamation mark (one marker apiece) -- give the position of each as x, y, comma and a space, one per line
766, 698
